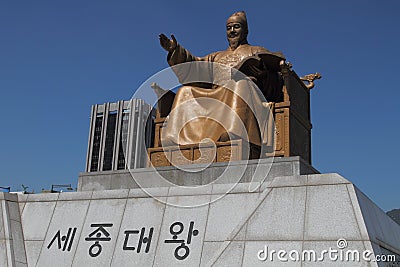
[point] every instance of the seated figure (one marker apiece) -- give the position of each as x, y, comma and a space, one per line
228, 107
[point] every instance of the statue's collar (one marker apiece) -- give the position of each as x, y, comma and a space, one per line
241, 45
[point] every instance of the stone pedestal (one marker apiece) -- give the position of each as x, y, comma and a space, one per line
195, 174
220, 224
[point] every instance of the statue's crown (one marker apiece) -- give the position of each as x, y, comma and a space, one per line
238, 17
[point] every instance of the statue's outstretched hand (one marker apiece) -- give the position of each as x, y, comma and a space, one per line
167, 43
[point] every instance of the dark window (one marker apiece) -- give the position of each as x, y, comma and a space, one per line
109, 143
96, 142
123, 140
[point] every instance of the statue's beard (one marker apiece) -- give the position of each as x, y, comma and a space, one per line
234, 42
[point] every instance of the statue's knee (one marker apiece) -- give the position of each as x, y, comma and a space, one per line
183, 89
184, 92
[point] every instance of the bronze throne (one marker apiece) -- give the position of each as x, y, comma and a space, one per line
292, 128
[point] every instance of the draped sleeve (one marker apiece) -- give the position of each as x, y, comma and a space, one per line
198, 71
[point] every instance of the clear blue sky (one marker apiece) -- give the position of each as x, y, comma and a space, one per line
57, 58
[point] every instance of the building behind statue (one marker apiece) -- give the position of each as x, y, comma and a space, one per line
117, 134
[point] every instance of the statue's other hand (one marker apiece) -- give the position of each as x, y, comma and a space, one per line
166, 43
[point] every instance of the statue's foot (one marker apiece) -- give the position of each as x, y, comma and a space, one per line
227, 137
224, 137
167, 142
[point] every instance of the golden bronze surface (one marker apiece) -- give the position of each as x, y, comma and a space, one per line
269, 91
310, 78
203, 118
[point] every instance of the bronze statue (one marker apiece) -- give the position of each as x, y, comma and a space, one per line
201, 118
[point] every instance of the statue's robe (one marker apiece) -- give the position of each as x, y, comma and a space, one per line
231, 104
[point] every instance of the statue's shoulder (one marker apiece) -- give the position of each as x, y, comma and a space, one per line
252, 49
216, 55
271, 59
257, 50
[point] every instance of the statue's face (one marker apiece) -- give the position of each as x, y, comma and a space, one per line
235, 33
